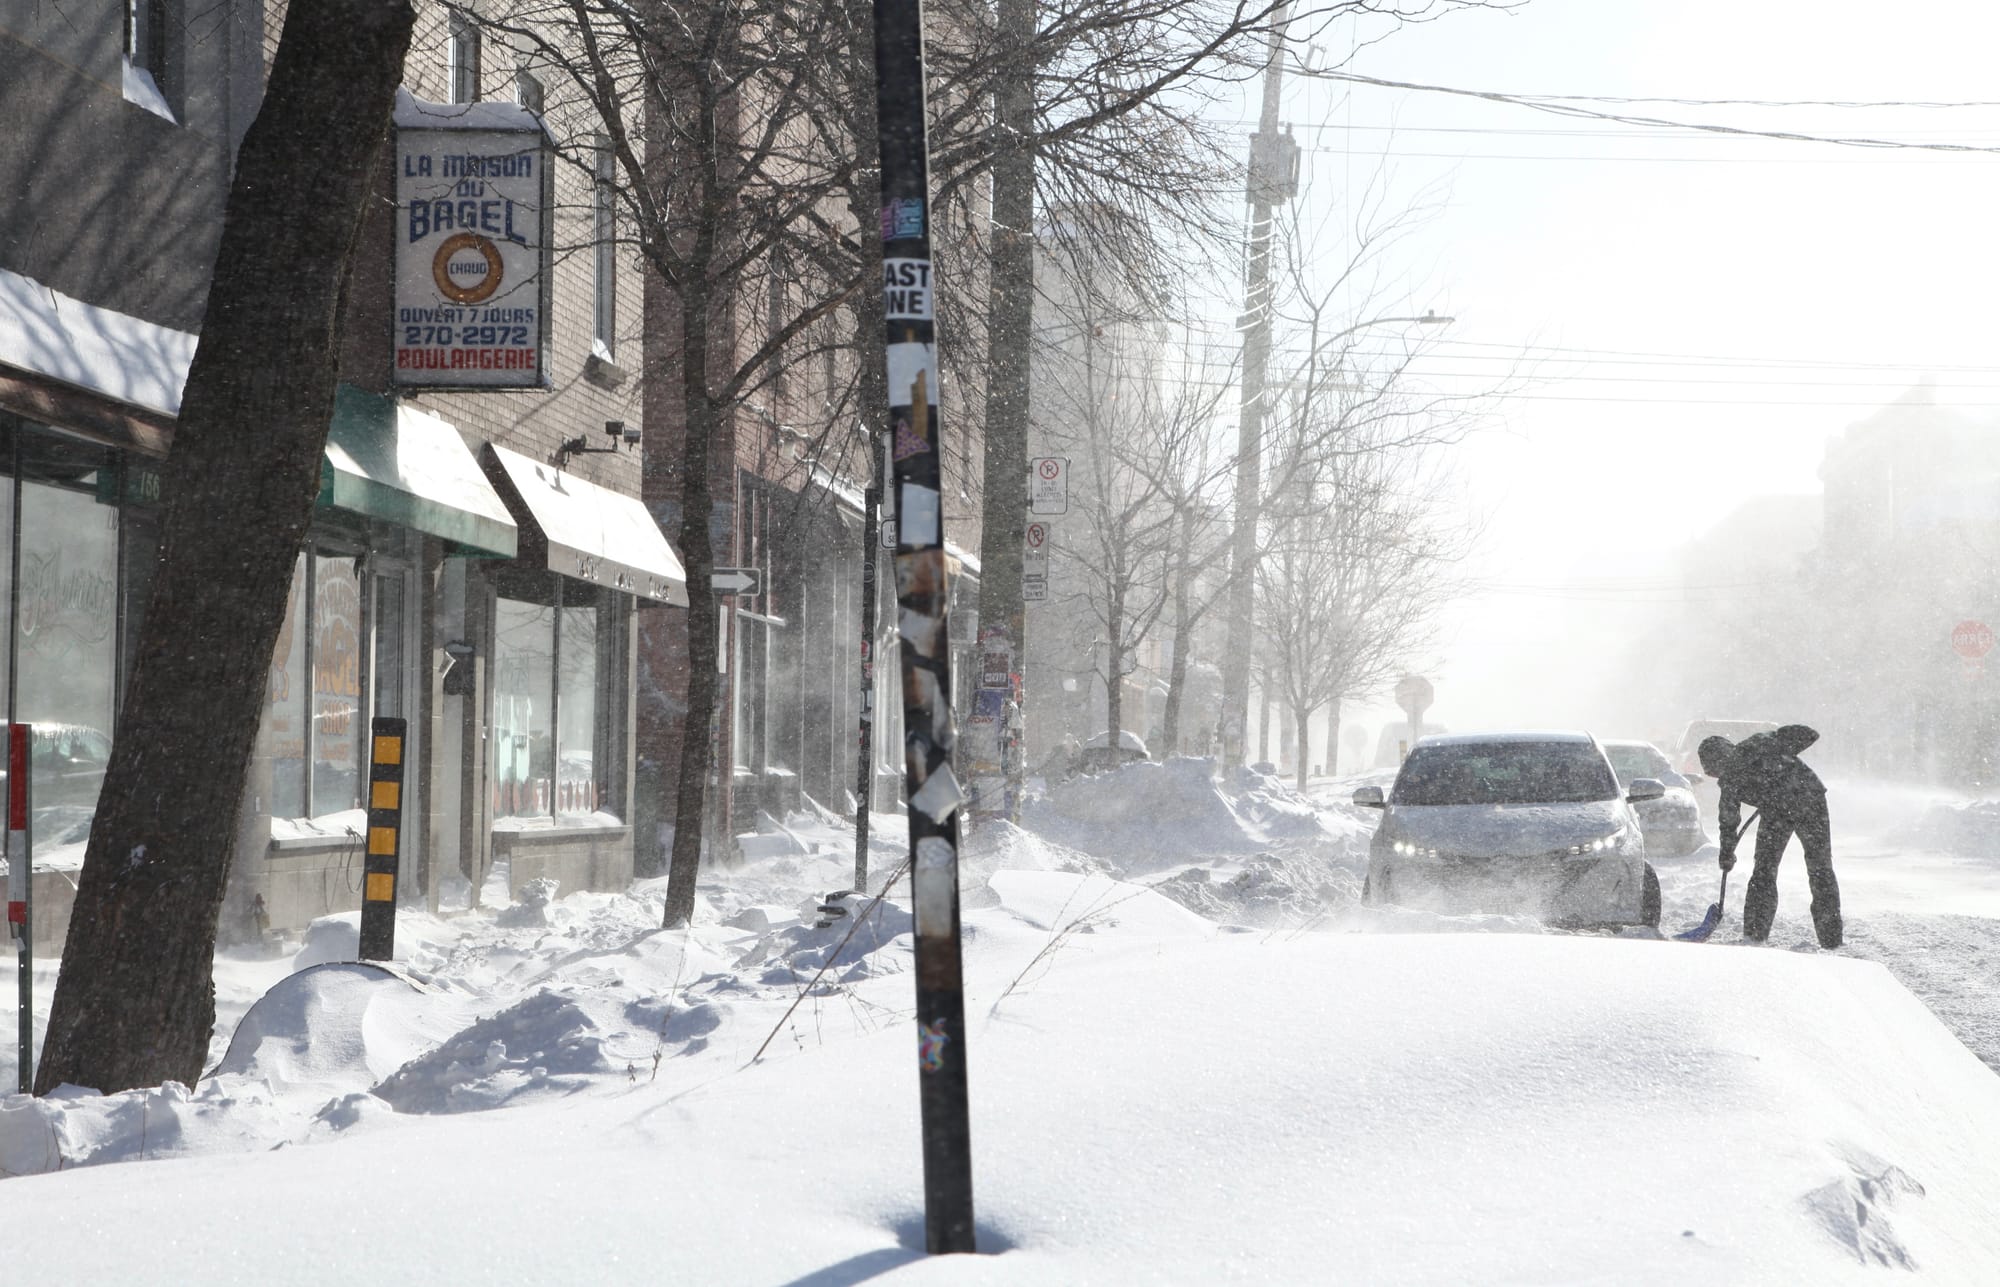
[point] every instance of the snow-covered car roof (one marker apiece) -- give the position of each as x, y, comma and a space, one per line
1484, 739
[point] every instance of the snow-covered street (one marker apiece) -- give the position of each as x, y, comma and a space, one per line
1194, 1059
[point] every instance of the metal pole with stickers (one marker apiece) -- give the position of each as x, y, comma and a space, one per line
923, 598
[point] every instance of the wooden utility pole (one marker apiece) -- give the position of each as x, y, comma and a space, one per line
1272, 180
923, 597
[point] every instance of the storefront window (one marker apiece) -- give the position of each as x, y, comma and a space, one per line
67, 631
576, 775
523, 690
315, 719
285, 716
336, 700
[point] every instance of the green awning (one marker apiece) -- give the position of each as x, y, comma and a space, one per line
390, 461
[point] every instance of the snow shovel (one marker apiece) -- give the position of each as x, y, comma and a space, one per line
1700, 933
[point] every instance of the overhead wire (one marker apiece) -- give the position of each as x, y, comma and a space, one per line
1570, 105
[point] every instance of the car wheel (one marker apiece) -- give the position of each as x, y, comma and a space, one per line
1649, 899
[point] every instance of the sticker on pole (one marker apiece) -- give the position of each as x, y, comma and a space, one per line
906, 290
1048, 485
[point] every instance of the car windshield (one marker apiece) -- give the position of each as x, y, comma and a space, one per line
1505, 773
1630, 762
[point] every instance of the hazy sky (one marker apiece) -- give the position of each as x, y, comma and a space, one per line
1809, 284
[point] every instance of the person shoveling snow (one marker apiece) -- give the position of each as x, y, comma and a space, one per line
1764, 770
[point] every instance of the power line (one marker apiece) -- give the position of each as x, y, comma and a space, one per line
1570, 105
1654, 160
1525, 352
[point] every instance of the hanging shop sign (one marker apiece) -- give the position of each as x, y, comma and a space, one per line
473, 246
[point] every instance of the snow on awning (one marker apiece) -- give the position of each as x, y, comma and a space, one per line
119, 356
591, 532
394, 462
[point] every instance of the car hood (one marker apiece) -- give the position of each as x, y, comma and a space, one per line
1501, 830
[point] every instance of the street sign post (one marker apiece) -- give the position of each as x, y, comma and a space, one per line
743, 581
1035, 563
1034, 577
1048, 485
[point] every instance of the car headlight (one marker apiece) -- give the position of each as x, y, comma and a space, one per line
1602, 844
1408, 850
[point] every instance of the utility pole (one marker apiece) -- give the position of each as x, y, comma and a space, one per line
1273, 180
923, 598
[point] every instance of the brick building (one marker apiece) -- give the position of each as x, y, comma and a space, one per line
469, 568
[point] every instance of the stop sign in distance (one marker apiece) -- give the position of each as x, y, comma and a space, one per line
1972, 639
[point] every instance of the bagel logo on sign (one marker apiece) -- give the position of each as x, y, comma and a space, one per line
467, 268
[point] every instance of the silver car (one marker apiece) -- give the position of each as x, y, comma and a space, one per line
1516, 823
1672, 823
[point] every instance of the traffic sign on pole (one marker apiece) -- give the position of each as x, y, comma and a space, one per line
1048, 485
1034, 576
744, 581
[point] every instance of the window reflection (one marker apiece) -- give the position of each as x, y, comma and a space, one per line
336, 698
285, 717
576, 775
67, 632
523, 692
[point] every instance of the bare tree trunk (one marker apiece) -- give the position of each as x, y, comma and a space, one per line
698, 556
1114, 676
135, 1002
1009, 346
1302, 717
872, 380
1170, 715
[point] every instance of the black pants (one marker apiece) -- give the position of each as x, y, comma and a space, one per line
1774, 831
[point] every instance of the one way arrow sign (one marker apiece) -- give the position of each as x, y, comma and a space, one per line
736, 581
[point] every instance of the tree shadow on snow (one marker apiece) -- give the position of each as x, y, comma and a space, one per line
909, 1248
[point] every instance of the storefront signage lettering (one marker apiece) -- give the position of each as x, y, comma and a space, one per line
63, 606
472, 258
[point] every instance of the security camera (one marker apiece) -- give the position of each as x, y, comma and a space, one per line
612, 428
631, 433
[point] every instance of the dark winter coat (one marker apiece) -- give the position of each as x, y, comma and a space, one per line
1765, 772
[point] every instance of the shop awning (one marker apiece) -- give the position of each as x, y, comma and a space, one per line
591, 532
390, 461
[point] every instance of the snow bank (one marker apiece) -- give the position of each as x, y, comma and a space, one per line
1065, 903
1162, 1109
1970, 829
1148, 816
